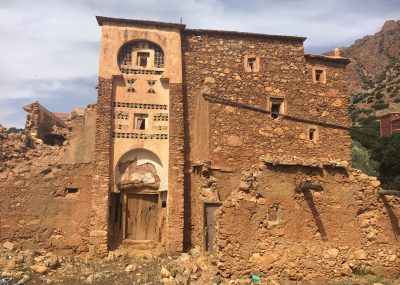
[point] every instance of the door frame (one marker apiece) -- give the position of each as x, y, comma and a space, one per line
124, 202
205, 204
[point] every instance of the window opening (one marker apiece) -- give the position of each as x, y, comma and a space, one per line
250, 63
276, 107
72, 190
143, 58
141, 121
312, 134
319, 75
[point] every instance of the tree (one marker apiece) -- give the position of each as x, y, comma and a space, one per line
387, 152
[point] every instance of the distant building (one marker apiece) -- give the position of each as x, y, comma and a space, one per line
389, 124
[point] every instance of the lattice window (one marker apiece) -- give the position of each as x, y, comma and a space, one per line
141, 71
151, 82
158, 55
121, 115
121, 127
140, 136
130, 82
125, 54
151, 91
140, 105
160, 117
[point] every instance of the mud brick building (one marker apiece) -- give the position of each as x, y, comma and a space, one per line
234, 142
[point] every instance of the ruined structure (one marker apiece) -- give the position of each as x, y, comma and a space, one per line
169, 158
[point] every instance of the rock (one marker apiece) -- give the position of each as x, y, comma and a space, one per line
345, 269
165, 272
266, 261
337, 103
362, 177
210, 80
168, 281
360, 254
182, 279
331, 253
74, 240
24, 279
235, 141
278, 131
130, 268
195, 252
244, 185
41, 269
8, 245
53, 262
89, 279
375, 183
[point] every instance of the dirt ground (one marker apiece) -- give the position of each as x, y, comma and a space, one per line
40, 267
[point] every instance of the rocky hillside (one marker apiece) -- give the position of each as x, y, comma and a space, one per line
374, 73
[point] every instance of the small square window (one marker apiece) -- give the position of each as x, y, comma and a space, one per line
276, 107
141, 121
319, 75
312, 134
142, 58
250, 63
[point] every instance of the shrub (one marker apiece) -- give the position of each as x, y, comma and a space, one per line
361, 159
387, 152
380, 106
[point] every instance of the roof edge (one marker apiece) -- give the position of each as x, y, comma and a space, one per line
102, 20
249, 34
327, 58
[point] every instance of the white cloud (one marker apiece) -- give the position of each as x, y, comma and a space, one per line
49, 48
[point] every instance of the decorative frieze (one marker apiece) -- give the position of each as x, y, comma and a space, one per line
140, 105
140, 136
160, 117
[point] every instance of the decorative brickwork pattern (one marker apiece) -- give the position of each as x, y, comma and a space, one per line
101, 177
176, 171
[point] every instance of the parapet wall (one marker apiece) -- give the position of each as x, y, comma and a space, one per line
269, 226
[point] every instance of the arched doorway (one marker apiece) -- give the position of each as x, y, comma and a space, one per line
139, 177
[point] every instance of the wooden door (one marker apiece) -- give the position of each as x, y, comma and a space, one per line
141, 216
209, 209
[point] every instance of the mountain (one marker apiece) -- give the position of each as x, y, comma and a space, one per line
374, 73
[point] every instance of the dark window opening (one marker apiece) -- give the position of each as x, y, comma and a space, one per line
276, 107
117, 207
250, 63
141, 124
72, 190
140, 121
311, 134
164, 204
142, 58
319, 75
53, 139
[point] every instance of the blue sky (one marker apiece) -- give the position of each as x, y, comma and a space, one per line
49, 48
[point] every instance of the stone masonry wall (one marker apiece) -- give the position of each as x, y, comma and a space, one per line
101, 176
268, 227
175, 203
214, 64
233, 138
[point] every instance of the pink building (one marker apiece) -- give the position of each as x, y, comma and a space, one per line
389, 124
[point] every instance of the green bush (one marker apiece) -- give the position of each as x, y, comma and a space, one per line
361, 159
370, 99
380, 106
397, 100
387, 152
378, 95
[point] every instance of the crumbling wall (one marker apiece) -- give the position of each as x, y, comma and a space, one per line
269, 226
232, 138
42, 125
44, 197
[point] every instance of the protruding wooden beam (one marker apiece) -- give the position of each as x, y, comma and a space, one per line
307, 185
